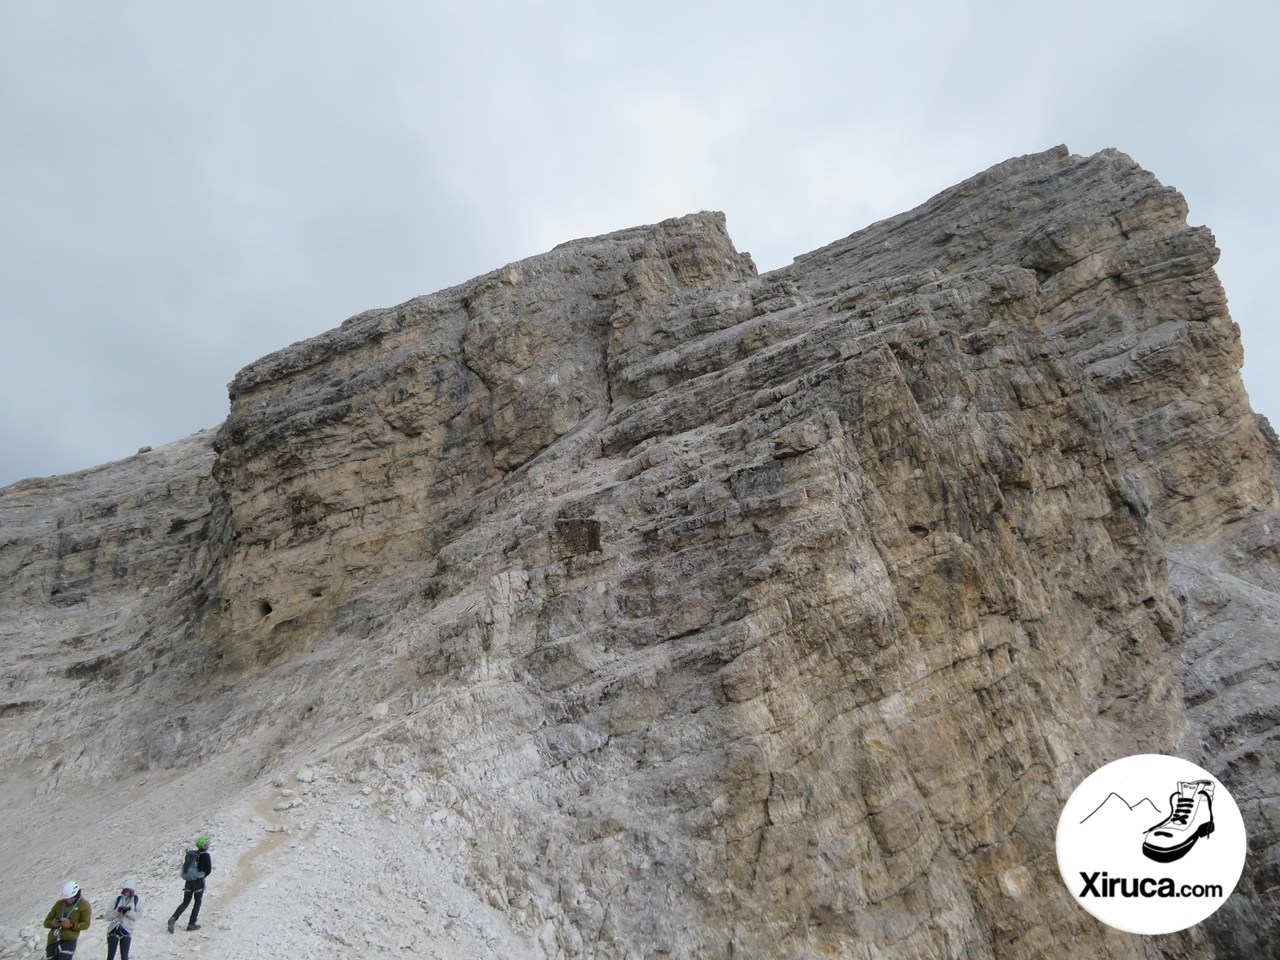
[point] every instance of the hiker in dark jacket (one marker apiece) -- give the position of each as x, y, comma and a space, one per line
67, 918
201, 867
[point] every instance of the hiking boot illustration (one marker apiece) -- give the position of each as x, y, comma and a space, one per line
1190, 818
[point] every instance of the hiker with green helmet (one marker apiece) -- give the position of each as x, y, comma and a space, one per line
196, 865
68, 917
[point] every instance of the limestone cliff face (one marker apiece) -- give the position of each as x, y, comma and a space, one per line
347, 458
98, 576
726, 615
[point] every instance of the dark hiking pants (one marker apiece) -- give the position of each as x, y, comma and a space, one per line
194, 890
123, 938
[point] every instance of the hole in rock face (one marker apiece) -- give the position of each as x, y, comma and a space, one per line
577, 537
264, 608
317, 592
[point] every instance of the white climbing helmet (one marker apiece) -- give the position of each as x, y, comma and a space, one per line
70, 890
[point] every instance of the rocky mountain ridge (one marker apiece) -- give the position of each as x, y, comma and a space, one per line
675, 610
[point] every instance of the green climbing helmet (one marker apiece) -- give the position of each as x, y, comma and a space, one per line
202, 842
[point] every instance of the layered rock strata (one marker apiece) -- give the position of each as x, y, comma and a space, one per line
726, 615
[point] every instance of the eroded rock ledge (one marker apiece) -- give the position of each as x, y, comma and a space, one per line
733, 615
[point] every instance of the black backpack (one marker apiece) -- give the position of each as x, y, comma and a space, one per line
191, 866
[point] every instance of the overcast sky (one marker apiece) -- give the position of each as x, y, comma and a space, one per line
187, 187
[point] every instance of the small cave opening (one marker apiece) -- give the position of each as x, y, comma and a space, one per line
577, 536
264, 608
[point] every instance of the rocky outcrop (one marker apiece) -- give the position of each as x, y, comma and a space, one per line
345, 457
100, 572
726, 615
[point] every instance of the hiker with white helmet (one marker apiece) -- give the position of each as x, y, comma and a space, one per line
120, 920
68, 918
196, 865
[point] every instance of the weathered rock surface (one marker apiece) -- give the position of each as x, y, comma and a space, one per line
688, 612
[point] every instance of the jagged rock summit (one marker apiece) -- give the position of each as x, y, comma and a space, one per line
625, 603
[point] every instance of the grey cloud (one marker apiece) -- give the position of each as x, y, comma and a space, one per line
188, 189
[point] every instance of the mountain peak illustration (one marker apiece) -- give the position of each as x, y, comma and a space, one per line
1117, 805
